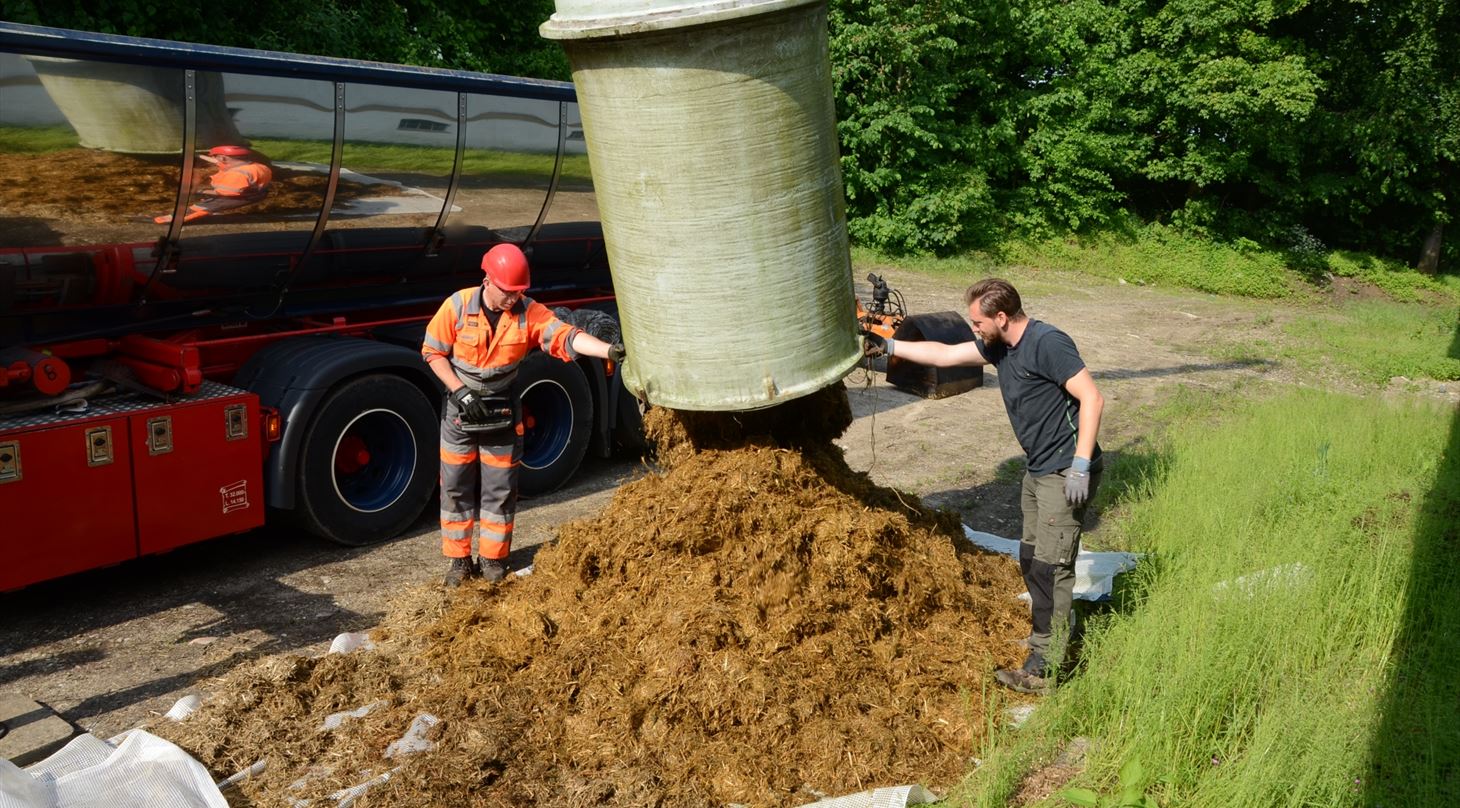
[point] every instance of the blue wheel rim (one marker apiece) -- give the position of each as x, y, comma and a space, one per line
376, 479
547, 406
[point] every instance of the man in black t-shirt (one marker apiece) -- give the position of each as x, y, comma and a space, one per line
1055, 410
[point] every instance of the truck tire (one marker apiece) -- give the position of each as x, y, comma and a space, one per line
557, 421
600, 324
369, 461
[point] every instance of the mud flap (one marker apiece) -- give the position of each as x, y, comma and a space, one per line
930, 382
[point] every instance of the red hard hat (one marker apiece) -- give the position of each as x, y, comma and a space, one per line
229, 151
506, 267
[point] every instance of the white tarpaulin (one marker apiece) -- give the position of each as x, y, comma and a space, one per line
1094, 572
133, 770
890, 797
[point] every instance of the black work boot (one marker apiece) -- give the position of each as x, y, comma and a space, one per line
460, 569
493, 570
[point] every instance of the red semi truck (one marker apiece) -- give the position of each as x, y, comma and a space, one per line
172, 368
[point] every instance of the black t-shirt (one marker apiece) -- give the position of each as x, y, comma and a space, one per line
1032, 375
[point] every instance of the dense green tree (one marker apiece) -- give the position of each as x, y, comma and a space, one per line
919, 98
459, 34
1383, 169
1082, 137
1229, 99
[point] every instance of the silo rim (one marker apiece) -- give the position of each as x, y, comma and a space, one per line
571, 26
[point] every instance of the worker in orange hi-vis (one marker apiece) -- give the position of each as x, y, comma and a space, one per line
243, 178
474, 345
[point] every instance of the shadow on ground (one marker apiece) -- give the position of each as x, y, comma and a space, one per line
240, 578
1183, 370
1415, 751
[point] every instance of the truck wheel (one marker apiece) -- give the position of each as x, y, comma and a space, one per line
369, 460
557, 420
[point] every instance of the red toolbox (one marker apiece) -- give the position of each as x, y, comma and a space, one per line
128, 476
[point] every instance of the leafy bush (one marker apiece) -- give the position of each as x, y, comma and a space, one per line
1400, 281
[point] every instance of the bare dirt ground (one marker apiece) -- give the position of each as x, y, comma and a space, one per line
112, 648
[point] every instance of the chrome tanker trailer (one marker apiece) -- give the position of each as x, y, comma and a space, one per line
215, 269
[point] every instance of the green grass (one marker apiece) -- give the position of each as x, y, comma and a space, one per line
1010, 471
1368, 342
1293, 635
1161, 256
36, 139
1377, 341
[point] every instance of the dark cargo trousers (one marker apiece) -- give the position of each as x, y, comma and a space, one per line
1047, 553
478, 487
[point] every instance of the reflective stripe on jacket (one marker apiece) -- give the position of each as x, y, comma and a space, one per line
488, 361
249, 179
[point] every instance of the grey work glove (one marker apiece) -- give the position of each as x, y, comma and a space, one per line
470, 405
1077, 482
876, 345
617, 353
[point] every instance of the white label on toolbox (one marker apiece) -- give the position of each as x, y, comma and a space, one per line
235, 496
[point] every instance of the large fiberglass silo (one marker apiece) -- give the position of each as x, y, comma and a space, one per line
711, 136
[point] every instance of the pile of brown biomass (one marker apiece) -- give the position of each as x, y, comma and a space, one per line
756, 623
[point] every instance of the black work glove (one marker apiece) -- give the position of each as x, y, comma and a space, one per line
1077, 482
470, 405
876, 345
617, 353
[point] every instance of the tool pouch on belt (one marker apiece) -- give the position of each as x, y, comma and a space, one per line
500, 416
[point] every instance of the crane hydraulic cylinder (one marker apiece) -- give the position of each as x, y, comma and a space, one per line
49, 375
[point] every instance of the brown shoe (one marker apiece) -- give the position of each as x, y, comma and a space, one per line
493, 570
1022, 681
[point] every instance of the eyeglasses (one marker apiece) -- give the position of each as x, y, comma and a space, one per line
511, 297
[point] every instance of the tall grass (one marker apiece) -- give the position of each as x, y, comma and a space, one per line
1251, 659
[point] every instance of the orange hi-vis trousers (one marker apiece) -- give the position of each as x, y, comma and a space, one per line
478, 486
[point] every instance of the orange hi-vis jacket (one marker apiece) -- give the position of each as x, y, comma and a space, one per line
249, 179
486, 361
